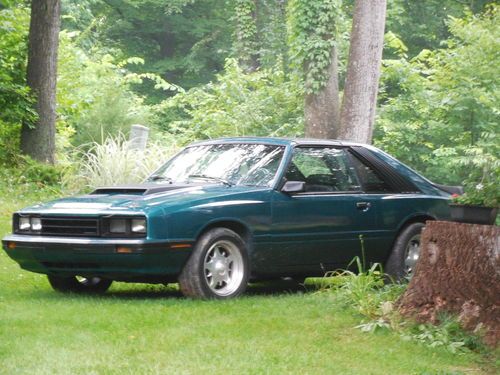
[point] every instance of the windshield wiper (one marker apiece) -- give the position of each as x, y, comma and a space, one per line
221, 180
159, 177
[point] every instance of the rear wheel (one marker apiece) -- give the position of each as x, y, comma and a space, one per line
79, 284
217, 268
405, 253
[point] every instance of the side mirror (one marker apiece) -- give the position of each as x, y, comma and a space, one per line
293, 187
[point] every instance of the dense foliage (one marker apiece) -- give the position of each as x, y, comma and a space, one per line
443, 119
313, 29
194, 69
423, 24
263, 103
15, 99
94, 95
183, 41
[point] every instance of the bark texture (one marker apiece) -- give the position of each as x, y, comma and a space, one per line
39, 141
458, 272
322, 109
363, 71
247, 37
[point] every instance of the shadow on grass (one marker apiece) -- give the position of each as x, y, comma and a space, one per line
278, 287
128, 291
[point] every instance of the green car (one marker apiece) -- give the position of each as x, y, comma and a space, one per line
225, 212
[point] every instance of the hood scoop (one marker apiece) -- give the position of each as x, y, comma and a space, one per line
142, 189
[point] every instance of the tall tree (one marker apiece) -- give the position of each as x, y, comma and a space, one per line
272, 35
246, 34
38, 140
313, 27
322, 107
363, 71
259, 36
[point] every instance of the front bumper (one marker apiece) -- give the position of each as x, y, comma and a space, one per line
98, 256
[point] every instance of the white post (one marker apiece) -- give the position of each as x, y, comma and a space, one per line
138, 137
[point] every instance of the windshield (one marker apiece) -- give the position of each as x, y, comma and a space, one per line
230, 164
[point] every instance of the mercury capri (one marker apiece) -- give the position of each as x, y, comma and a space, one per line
224, 212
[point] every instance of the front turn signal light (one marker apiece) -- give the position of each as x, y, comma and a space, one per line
124, 250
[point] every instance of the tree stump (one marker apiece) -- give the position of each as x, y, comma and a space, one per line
458, 272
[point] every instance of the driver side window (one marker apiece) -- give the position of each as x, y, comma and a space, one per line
323, 169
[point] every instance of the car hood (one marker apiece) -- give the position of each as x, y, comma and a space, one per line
140, 198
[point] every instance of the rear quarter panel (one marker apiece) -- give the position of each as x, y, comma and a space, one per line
396, 211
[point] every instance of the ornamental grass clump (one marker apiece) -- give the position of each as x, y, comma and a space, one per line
114, 162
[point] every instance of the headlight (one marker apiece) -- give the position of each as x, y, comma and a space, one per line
24, 223
29, 224
36, 224
118, 226
138, 226
125, 226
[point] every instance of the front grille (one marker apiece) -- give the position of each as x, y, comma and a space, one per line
70, 226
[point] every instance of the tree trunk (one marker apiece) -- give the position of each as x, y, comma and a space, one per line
247, 34
458, 272
38, 141
322, 109
363, 71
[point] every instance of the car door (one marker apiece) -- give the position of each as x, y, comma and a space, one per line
319, 229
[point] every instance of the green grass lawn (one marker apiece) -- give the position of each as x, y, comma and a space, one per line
141, 329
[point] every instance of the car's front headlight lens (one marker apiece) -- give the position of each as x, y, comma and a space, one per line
27, 223
36, 224
138, 226
125, 226
24, 223
118, 226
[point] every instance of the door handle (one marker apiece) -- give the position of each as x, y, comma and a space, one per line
363, 206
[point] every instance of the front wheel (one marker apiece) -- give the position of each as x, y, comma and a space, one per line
217, 268
79, 284
405, 253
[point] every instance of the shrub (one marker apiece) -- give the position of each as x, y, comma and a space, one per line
33, 171
24, 170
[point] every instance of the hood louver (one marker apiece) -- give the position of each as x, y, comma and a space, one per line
145, 189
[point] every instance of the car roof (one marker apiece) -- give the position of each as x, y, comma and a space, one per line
408, 173
278, 141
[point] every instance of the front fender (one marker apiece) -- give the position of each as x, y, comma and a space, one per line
188, 224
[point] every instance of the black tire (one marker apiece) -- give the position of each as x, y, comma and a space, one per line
217, 247
72, 284
397, 266
298, 280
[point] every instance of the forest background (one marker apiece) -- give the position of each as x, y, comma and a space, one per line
197, 69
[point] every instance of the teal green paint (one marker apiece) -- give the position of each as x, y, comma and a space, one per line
299, 234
